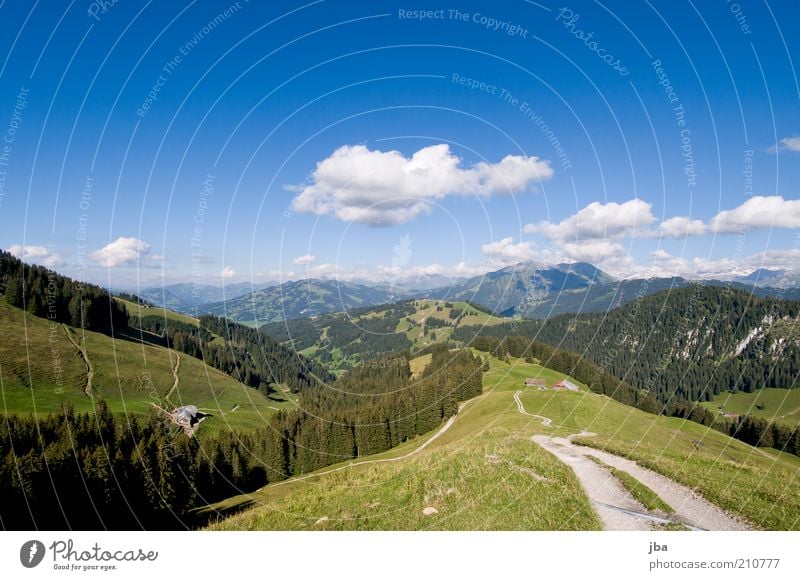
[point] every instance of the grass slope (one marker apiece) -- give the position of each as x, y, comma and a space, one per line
782, 405
485, 473
137, 311
427, 309
126, 373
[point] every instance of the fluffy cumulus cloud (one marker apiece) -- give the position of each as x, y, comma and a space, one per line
595, 251
37, 255
227, 272
385, 187
505, 251
681, 227
758, 212
120, 252
665, 264
788, 144
304, 260
598, 221
461, 269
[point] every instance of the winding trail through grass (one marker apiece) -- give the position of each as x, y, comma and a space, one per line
87, 390
545, 421
175, 368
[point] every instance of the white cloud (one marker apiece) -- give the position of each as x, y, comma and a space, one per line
787, 144
227, 272
664, 264
384, 187
158, 257
26, 252
461, 269
505, 251
595, 251
120, 252
756, 213
304, 260
681, 227
37, 255
782, 259
599, 221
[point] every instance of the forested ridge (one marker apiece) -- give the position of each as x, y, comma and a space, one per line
365, 333
95, 471
372, 408
245, 354
690, 343
44, 293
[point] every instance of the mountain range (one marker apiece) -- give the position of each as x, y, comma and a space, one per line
187, 297
526, 290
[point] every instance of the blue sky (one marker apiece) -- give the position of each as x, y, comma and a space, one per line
224, 141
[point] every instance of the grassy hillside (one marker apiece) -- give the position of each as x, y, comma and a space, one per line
137, 311
781, 405
484, 472
42, 366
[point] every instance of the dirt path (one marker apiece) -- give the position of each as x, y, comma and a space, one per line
176, 367
617, 508
545, 421
688, 505
87, 390
411, 453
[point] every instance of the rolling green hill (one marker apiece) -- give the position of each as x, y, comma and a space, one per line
781, 405
137, 311
43, 365
343, 339
484, 472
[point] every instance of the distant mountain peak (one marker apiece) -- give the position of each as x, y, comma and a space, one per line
761, 274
